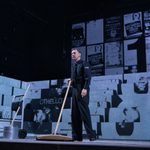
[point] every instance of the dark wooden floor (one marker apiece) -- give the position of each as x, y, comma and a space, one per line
32, 143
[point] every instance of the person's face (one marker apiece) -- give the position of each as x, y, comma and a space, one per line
75, 55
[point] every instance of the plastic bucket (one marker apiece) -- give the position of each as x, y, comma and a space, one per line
11, 132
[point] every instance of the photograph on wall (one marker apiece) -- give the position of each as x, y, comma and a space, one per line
113, 29
133, 25
147, 23
95, 32
141, 86
113, 58
95, 59
78, 35
42, 113
134, 55
130, 116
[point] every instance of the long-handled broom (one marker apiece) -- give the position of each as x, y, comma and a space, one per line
54, 136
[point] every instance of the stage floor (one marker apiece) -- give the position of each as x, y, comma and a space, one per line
86, 144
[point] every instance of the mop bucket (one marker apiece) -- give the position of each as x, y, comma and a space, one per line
11, 132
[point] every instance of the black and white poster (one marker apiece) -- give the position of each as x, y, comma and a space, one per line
147, 23
39, 114
134, 55
130, 56
113, 58
78, 34
95, 32
113, 29
95, 59
133, 25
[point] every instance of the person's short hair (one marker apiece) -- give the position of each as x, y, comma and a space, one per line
76, 50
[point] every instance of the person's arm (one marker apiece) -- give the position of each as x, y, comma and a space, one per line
87, 75
72, 75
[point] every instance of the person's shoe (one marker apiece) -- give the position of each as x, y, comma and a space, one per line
92, 138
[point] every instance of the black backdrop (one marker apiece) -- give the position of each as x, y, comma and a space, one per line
34, 35
33, 40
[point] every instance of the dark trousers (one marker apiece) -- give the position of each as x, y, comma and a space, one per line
80, 114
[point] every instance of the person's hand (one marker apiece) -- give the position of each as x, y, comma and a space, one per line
69, 80
84, 92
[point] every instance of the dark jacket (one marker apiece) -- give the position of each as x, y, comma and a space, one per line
81, 74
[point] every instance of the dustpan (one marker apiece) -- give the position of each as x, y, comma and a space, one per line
55, 136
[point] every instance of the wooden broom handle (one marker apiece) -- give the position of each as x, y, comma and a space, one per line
12, 122
60, 114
